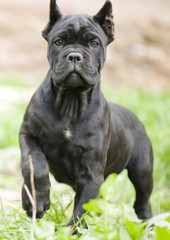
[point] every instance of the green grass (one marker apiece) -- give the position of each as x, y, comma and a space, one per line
109, 218
112, 216
10, 123
14, 80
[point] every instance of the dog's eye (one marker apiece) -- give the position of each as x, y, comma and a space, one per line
94, 44
59, 42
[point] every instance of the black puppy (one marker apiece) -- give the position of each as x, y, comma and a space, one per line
70, 129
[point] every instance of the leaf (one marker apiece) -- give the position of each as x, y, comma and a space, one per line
168, 219
44, 230
123, 234
64, 234
97, 206
107, 188
160, 220
162, 233
94, 234
129, 213
26, 234
135, 229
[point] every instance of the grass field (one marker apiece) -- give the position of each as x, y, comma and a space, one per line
111, 216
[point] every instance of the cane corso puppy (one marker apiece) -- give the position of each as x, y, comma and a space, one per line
71, 130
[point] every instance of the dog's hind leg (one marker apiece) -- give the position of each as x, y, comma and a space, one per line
140, 170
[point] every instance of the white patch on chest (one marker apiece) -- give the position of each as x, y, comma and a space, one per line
67, 134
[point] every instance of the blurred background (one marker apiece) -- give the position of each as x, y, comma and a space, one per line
139, 56
136, 74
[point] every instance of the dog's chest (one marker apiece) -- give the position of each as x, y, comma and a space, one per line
64, 150
67, 134
63, 137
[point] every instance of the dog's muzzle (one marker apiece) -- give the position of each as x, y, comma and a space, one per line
74, 74
74, 58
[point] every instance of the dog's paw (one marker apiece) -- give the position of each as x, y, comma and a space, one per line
42, 203
143, 211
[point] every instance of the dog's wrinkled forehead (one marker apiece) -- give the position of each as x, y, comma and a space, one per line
77, 22
100, 24
75, 25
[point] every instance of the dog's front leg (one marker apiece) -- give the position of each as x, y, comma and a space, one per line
89, 180
31, 149
86, 190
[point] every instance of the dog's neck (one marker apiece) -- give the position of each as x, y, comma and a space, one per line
71, 103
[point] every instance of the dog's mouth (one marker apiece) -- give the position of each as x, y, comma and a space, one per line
74, 80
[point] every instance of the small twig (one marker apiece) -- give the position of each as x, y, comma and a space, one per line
33, 188
32, 197
78, 223
29, 194
73, 230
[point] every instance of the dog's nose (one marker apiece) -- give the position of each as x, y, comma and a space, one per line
74, 57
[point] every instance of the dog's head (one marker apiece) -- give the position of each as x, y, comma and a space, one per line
77, 46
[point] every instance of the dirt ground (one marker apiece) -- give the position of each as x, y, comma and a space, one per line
139, 56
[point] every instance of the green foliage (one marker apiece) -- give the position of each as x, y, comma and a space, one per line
108, 218
14, 81
14, 224
10, 123
124, 224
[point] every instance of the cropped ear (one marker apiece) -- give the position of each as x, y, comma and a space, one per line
105, 19
54, 16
